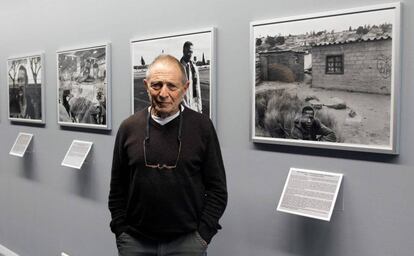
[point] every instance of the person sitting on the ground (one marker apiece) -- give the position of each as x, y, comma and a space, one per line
307, 127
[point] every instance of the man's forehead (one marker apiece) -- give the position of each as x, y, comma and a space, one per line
165, 65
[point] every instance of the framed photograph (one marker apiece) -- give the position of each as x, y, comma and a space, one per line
84, 89
26, 88
195, 50
328, 80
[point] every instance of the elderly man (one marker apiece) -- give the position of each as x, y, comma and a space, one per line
168, 184
307, 127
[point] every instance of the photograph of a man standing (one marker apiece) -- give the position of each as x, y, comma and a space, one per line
193, 95
168, 184
196, 52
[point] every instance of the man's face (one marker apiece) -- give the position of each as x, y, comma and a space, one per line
165, 88
21, 78
188, 52
307, 118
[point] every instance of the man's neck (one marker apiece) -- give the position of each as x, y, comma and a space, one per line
162, 115
156, 113
166, 118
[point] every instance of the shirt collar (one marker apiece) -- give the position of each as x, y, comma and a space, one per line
166, 120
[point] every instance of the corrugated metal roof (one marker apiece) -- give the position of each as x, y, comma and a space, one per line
355, 39
280, 51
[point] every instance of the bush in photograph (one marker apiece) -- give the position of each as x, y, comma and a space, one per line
280, 40
280, 113
270, 40
280, 72
328, 119
261, 102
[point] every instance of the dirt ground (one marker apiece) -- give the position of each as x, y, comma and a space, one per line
371, 125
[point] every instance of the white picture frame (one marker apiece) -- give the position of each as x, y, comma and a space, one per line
26, 88
84, 86
336, 40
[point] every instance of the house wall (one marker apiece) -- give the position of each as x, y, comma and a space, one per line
258, 69
364, 67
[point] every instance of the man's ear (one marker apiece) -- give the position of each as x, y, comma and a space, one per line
146, 85
186, 86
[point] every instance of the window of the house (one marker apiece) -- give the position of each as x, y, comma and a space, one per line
335, 64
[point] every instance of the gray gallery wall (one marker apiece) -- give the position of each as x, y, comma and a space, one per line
46, 209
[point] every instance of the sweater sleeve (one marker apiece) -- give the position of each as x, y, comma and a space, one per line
117, 200
214, 178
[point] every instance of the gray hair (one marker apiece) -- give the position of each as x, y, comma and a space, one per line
170, 58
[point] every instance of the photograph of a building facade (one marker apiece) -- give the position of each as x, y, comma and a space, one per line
326, 79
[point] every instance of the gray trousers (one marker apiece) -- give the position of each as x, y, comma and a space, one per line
187, 245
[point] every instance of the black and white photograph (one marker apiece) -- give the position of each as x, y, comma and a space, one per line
328, 80
25, 83
84, 87
195, 52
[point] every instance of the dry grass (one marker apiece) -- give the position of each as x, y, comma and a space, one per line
329, 121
